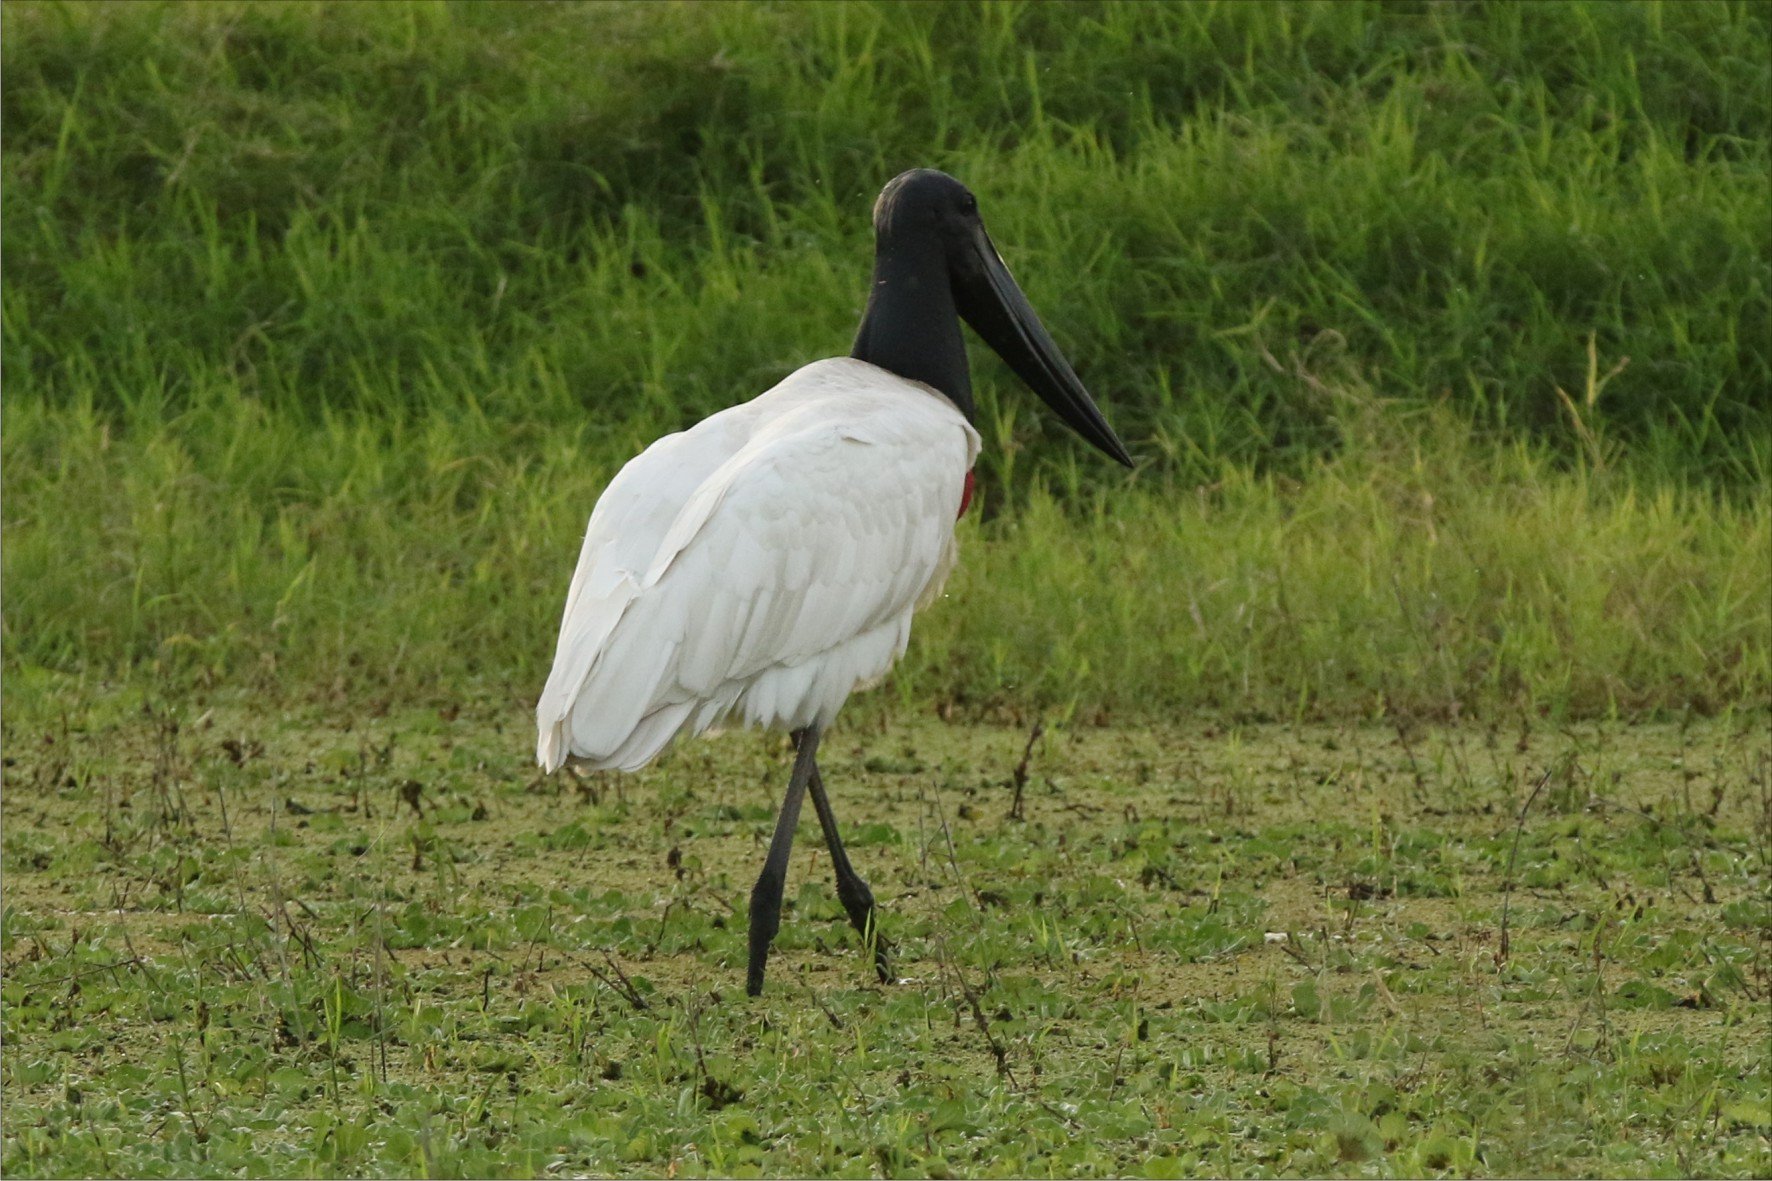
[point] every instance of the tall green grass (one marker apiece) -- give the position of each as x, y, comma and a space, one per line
639, 213
1414, 572
323, 326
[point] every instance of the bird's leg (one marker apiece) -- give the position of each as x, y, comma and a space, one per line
766, 894
854, 894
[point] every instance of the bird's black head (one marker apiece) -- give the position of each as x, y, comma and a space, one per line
926, 204
934, 264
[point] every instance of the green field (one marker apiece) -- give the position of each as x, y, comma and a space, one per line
284, 946
1439, 604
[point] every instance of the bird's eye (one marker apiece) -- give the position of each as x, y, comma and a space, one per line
969, 203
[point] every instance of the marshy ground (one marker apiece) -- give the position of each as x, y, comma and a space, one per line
286, 945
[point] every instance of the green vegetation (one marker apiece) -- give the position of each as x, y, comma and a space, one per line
1412, 574
643, 214
281, 947
324, 326
1440, 604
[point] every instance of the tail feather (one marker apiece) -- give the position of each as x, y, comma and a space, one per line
574, 665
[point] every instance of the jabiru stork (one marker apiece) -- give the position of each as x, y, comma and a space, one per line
765, 563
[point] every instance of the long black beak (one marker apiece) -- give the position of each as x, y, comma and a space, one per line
988, 298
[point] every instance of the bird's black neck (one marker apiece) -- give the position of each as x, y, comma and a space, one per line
911, 327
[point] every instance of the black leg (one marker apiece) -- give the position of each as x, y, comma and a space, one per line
766, 894
854, 894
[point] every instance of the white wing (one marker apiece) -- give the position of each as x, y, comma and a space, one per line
763, 564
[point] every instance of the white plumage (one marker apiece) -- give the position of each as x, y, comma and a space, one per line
761, 565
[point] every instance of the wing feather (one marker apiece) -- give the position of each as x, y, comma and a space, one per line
786, 573
621, 540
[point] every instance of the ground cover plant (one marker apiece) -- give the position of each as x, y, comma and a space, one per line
281, 946
1375, 780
